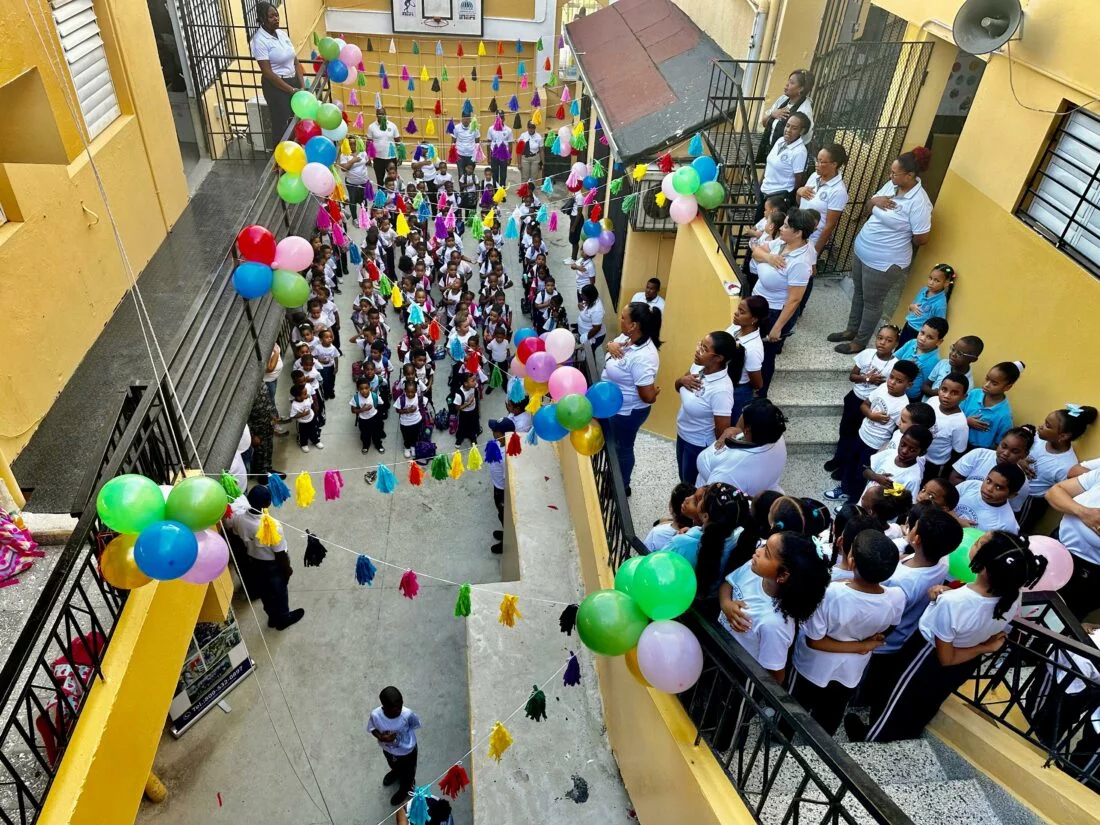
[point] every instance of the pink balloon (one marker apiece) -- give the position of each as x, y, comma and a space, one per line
560, 344
518, 369
318, 179
566, 381
666, 187
212, 559
591, 246
293, 253
683, 209
564, 149
351, 55
540, 366
1059, 563
578, 168
669, 656
565, 134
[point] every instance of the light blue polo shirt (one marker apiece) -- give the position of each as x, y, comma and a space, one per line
999, 418
926, 361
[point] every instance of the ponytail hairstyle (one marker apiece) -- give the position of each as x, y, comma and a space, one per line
758, 308
1075, 419
798, 595
1009, 564
888, 504
1026, 434
949, 276
818, 517
730, 350
805, 79
837, 153
761, 511
915, 161
726, 509
648, 319
764, 421
1011, 370
786, 516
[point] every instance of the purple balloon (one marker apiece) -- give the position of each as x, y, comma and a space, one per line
607, 240
212, 559
540, 366
669, 656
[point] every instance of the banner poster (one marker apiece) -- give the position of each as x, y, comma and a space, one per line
436, 18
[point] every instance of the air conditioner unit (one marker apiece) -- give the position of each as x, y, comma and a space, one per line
259, 124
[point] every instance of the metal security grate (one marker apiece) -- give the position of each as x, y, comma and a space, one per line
209, 38
1062, 200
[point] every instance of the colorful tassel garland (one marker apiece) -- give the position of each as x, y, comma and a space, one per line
516, 391
460, 52
386, 482
492, 452
334, 483
268, 533
560, 113
511, 231
536, 117
572, 675
365, 571
444, 76
440, 469
628, 203
424, 76
509, 612
473, 459
229, 484
439, 48
514, 447
409, 585
565, 96
462, 604
454, 781
418, 806
456, 469
278, 489
535, 709
548, 186
568, 619
315, 551
513, 104
393, 47
660, 199
664, 162
416, 475
496, 83
552, 224
598, 172
543, 214
616, 186
499, 741
429, 128
695, 145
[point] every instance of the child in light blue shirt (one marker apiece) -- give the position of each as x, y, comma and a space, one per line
924, 352
931, 301
988, 413
960, 356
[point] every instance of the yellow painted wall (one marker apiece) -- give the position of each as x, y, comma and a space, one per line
647, 255
62, 272
798, 28
728, 23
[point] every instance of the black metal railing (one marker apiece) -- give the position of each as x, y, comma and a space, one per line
1043, 686
222, 347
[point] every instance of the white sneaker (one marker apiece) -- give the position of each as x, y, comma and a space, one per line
305, 448
319, 445
408, 453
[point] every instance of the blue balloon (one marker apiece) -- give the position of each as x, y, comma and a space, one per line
590, 182
337, 71
165, 550
252, 280
320, 149
522, 334
606, 399
546, 424
706, 168
591, 229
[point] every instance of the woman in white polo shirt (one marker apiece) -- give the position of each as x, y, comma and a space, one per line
826, 194
899, 217
590, 326
785, 267
282, 73
706, 398
785, 168
631, 364
1078, 499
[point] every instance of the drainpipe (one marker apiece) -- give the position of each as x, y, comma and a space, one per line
765, 47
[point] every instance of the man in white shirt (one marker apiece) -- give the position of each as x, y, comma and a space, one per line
651, 295
530, 161
500, 152
383, 135
465, 140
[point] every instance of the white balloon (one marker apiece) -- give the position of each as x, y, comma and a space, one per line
579, 169
667, 188
338, 134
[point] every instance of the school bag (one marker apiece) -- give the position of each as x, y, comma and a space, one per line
424, 449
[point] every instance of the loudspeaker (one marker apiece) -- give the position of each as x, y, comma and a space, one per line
983, 26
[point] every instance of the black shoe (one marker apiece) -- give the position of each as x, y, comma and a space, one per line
497, 549
628, 491
399, 797
832, 464
498, 535
389, 778
292, 618
381, 449
856, 728
836, 475
835, 337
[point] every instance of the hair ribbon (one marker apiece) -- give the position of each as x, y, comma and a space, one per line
1074, 410
895, 489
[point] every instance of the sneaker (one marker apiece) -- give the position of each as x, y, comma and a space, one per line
408, 453
836, 494
847, 349
381, 449
836, 474
305, 448
282, 431
319, 445
568, 261
365, 450
497, 549
836, 337
489, 391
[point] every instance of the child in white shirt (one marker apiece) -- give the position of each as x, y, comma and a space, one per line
395, 727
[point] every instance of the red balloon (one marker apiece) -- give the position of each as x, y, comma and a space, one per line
574, 187
256, 244
528, 347
304, 130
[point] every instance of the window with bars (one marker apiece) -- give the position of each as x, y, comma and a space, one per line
1062, 201
82, 46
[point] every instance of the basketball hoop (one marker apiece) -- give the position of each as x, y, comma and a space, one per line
436, 21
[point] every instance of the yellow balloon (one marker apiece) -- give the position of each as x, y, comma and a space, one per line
117, 564
290, 156
534, 388
631, 657
587, 441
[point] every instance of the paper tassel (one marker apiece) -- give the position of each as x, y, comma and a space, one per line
496, 83
552, 82
315, 551
416, 47
439, 48
303, 490
454, 781
278, 489
365, 571
429, 128
410, 127
359, 125
560, 113
385, 81
517, 122
489, 219
353, 98
535, 709
533, 404
481, 49
404, 73
516, 392
523, 82
338, 237
664, 162
473, 459
532, 436
548, 186
472, 363
511, 231
595, 212
381, 69
393, 47
479, 154
513, 104
580, 142
572, 675
395, 296
598, 172
402, 225
519, 46
575, 109
360, 78
462, 85
536, 101
477, 231
434, 330
460, 52
412, 85
514, 447
493, 105
324, 222
473, 74
467, 110
538, 46
334, 483
616, 186
229, 484
492, 452
440, 469
543, 214
444, 76
536, 117
456, 469
462, 604
660, 199
565, 96
424, 76
509, 612
452, 155
409, 107
561, 41
695, 146
552, 224
416, 475
496, 380
386, 482
418, 806
370, 45
628, 203
546, 65
268, 533
568, 619
409, 586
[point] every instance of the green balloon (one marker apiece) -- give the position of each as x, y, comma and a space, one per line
291, 189
685, 180
609, 623
624, 578
710, 194
130, 503
664, 585
958, 563
305, 104
289, 288
573, 411
197, 502
329, 116
328, 48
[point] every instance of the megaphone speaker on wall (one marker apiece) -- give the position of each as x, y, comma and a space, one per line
983, 26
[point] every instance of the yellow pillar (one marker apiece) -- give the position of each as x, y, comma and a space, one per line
10, 482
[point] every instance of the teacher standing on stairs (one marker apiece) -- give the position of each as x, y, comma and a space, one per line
282, 73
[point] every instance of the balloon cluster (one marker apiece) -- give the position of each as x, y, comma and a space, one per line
690, 188
635, 620
308, 159
540, 363
164, 532
1058, 572
270, 266
598, 237
342, 60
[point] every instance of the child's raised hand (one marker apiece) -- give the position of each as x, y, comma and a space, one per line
975, 422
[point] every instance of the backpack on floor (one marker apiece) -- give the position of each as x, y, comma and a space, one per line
424, 449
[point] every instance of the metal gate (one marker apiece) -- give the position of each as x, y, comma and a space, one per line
864, 94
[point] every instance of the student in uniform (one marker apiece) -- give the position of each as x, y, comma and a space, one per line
469, 417
745, 330
988, 413
395, 727
903, 466
302, 412
1052, 455
955, 630
409, 405
834, 645
950, 431
721, 539
1078, 499
664, 530
960, 357
367, 419
1013, 448
985, 504
923, 350
848, 522
930, 302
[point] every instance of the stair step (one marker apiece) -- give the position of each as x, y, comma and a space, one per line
944, 803
811, 433
904, 762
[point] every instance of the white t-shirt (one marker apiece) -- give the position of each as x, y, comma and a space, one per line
637, 368
499, 136
987, 517
914, 582
357, 174
276, 49
847, 615
770, 636
774, 284
590, 317
754, 351
383, 138
829, 196
326, 356
365, 404
868, 361
695, 421
659, 537
498, 350
1050, 468
871, 432
883, 463
405, 726
657, 303
522, 420
886, 238
977, 463
751, 470
587, 273
306, 406
274, 374
465, 140
534, 143
785, 160
950, 434
408, 410
964, 617
1078, 538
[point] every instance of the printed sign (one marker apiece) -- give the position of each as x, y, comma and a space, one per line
217, 661
436, 18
